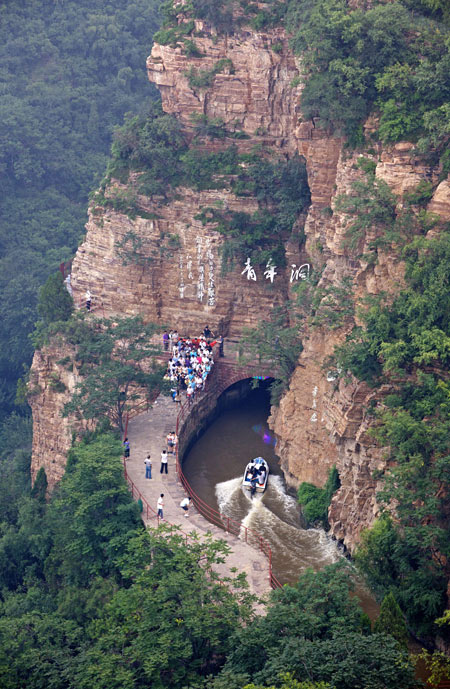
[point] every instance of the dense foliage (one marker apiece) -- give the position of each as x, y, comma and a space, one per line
114, 358
315, 631
388, 57
88, 598
55, 303
316, 501
153, 146
406, 344
70, 70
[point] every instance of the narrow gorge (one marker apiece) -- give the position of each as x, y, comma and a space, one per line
214, 240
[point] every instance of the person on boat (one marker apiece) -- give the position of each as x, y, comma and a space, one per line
253, 486
262, 476
250, 471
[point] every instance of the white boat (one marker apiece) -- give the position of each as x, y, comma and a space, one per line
256, 469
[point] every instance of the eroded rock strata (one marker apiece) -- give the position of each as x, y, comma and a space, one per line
321, 420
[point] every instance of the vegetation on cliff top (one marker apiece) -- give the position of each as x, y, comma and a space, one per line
392, 59
153, 146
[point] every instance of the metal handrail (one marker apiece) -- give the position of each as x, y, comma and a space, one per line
227, 523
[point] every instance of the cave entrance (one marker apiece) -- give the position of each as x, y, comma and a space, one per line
214, 466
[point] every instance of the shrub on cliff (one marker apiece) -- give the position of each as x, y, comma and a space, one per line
55, 302
315, 501
150, 144
406, 345
387, 58
115, 358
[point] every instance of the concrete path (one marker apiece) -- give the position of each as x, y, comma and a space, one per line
147, 435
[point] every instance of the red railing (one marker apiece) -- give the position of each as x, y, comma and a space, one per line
136, 494
230, 525
215, 517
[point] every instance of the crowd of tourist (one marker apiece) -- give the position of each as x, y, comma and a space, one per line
190, 363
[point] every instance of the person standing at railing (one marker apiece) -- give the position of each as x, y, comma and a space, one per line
126, 448
148, 467
160, 506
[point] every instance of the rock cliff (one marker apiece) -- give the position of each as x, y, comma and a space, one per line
321, 420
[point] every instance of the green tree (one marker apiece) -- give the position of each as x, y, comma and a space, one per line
91, 518
39, 488
289, 682
391, 620
55, 302
275, 346
315, 501
117, 367
316, 632
174, 624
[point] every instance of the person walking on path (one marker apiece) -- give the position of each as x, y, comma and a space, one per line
184, 504
165, 338
148, 467
126, 448
88, 297
160, 506
164, 461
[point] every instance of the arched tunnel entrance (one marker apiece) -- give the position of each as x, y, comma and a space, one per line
213, 464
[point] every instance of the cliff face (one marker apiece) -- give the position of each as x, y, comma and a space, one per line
321, 420
51, 386
181, 284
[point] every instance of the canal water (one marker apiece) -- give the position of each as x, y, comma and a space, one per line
214, 467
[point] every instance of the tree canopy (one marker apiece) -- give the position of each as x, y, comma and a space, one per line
116, 366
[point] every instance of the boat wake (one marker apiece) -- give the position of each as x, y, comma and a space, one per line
274, 515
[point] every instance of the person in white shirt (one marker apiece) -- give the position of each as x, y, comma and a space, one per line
160, 505
184, 504
164, 461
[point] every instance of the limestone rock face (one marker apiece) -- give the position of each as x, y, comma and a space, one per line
322, 420
180, 282
440, 203
51, 386
253, 92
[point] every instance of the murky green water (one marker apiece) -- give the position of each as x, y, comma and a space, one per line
214, 467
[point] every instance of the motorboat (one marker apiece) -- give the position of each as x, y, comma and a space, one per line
256, 472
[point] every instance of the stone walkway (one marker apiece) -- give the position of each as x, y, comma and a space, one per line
147, 435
